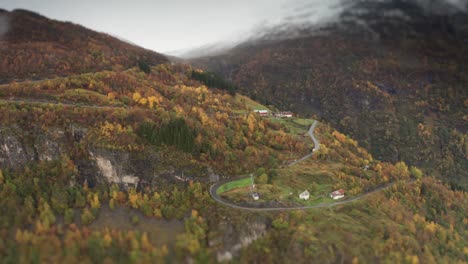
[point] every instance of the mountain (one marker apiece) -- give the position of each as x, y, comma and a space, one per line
118, 165
107, 164
391, 74
35, 47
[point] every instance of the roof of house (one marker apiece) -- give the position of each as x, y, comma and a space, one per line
338, 192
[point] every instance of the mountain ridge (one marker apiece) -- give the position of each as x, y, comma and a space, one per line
37, 47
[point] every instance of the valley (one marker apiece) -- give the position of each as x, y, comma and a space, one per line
112, 153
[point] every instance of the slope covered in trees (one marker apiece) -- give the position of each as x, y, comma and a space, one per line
124, 112
390, 74
35, 47
77, 149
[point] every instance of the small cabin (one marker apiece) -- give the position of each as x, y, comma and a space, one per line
255, 196
337, 194
262, 112
304, 195
283, 114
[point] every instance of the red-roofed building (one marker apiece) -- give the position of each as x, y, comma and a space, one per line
337, 194
283, 114
262, 112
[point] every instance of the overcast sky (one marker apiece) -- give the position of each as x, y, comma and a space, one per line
169, 25
175, 26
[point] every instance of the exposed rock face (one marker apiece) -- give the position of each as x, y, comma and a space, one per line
212, 176
107, 169
98, 166
110, 166
48, 147
16, 149
236, 238
11, 151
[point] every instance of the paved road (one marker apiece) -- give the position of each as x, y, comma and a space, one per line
316, 145
46, 102
311, 134
214, 187
217, 198
79, 105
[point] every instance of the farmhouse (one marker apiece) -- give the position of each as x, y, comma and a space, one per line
262, 112
304, 195
255, 196
337, 194
283, 114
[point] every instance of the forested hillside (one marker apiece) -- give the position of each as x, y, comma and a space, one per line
35, 47
115, 165
168, 131
389, 74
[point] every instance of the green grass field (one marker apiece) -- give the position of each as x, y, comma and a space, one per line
294, 125
318, 179
233, 185
252, 105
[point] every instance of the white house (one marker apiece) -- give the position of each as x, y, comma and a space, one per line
304, 195
262, 112
337, 194
255, 196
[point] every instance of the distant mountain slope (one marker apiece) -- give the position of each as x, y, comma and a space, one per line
390, 73
34, 46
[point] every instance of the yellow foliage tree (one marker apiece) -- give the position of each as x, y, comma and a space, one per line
95, 203
340, 137
432, 227
402, 168
153, 101
133, 199
251, 121
107, 239
136, 97
198, 140
111, 96
188, 243
145, 243
143, 101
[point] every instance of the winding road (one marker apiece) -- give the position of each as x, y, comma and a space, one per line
214, 188
47, 102
316, 145
217, 198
